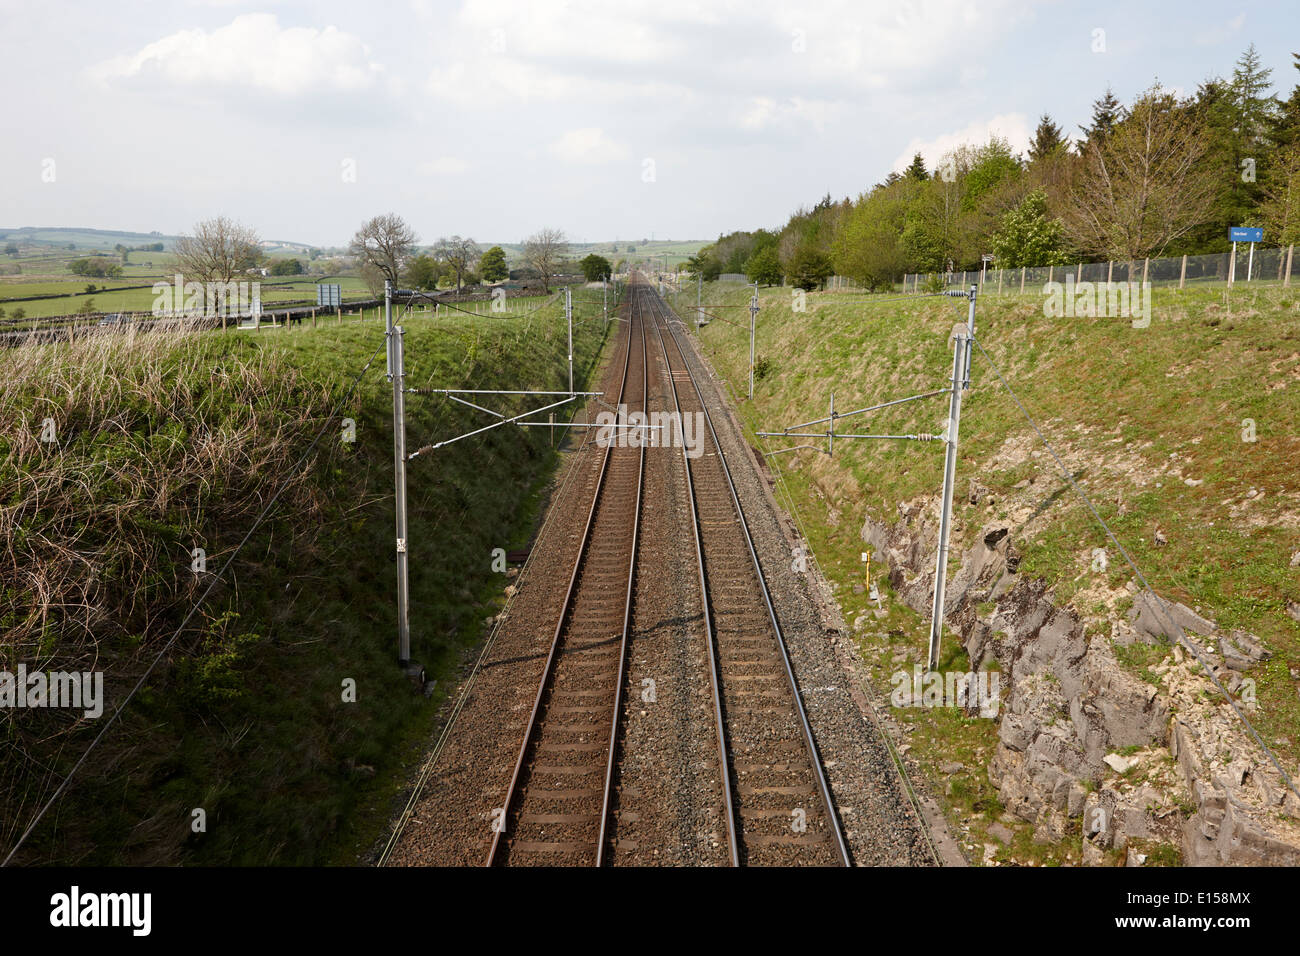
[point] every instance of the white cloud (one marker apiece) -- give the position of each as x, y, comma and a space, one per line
632, 31
444, 166
587, 146
1013, 127
791, 114
252, 52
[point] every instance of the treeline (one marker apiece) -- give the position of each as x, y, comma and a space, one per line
1163, 176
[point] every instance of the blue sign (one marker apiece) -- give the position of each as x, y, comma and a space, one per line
1245, 234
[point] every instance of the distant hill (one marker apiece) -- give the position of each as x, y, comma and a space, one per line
60, 237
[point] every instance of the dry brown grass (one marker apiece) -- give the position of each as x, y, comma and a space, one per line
165, 441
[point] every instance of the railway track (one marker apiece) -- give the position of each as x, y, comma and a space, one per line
655, 558
558, 805
779, 807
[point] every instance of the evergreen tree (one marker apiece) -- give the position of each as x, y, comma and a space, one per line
1286, 124
916, 170
1048, 138
1106, 112
1255, 107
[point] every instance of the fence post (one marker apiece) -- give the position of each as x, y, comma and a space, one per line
1022, 280
1049, 273
1000, 271
1182, 275
1110, 271
1289, 250
1146, 263
1079, 275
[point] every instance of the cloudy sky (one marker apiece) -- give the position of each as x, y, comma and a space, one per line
605, 118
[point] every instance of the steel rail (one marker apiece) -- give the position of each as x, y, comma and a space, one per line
610, 765
548, 671
715, 674
809, 741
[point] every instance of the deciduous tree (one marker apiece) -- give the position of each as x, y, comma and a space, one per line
1143, 185
543, 250
384, 244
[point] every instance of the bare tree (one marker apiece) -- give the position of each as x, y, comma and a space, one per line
459, 255
219, 250
543, 250
383, 245
1145, 184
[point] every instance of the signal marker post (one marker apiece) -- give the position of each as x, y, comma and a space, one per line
753, 316
699, 292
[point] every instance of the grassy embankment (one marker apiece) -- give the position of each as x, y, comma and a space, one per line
1119, 403
168, 443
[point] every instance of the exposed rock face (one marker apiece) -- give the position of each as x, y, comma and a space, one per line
1069, 707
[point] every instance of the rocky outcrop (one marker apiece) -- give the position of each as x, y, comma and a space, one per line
1075, 723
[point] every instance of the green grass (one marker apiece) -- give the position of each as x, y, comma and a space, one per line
1107, 395
246, 719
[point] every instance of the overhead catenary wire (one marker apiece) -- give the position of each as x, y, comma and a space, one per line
193, 608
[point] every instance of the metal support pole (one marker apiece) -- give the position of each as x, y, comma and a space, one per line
568, 315
699, 292
753, 315
959, 357
604, 296
1250, 262
399, 466
388, 328
1232, 266
970, 337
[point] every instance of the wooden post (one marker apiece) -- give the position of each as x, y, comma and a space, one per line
1146, 264
1110, 271
1049, 273
1289, 250
1022, 280
313, 318
338, 309
1182, 274
1000, 271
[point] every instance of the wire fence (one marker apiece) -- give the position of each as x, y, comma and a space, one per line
1247, 265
